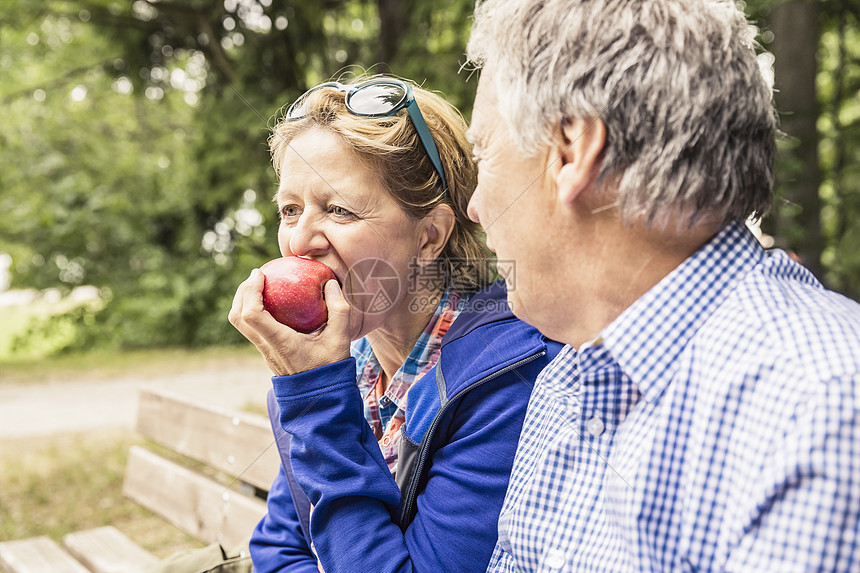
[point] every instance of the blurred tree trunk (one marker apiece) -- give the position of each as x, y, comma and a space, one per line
393, 22
797, 218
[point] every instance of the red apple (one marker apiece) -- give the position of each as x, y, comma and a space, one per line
293, 292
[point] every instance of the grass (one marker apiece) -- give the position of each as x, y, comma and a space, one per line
103, 365
73, 482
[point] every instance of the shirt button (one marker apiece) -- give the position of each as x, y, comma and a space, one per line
594, 426
555, 559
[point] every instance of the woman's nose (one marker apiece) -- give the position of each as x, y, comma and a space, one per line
307, 237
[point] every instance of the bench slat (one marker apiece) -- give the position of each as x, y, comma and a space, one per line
37, 555
107, 550
239, 444
193, 503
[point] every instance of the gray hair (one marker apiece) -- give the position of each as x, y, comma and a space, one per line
689, 117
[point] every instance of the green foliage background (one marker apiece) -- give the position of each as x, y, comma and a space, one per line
133, 150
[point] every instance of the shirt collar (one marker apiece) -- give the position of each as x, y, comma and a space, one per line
422, 358
648, 336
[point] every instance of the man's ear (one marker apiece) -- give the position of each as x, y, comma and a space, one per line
436, 229
579, 153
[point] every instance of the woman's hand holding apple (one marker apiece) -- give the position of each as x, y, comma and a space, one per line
286, 350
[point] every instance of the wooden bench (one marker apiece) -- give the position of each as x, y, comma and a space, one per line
207, 472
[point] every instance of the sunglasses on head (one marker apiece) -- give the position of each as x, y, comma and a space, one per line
380, 98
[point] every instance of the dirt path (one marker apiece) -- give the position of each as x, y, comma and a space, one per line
32, 409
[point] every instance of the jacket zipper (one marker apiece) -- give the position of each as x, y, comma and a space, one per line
428, 437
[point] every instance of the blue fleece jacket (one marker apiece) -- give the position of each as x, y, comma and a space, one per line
463, 420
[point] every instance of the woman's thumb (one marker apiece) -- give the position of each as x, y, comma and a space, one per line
338, 307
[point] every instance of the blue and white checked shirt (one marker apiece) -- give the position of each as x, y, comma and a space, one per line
713, 426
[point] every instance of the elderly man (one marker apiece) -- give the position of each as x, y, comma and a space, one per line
704, 413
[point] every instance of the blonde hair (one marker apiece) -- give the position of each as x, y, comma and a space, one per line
390, 148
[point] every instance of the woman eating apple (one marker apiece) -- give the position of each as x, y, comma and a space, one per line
404, 409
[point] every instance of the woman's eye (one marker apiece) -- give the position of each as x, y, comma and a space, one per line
288, 211
338, 211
